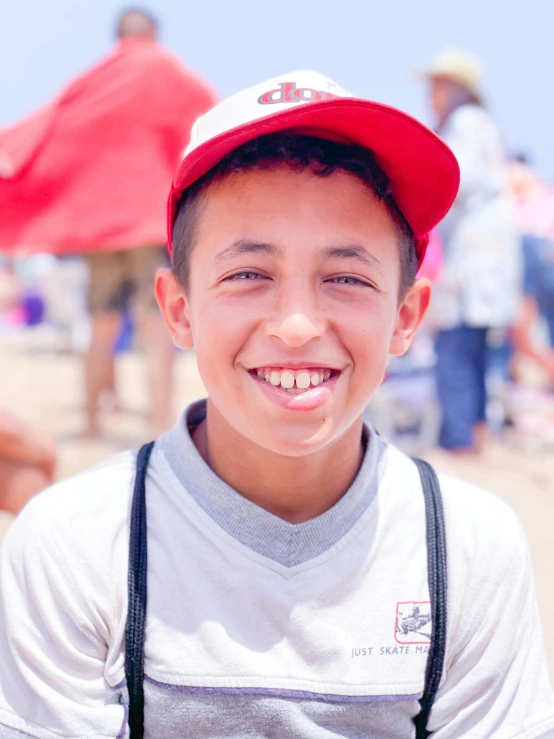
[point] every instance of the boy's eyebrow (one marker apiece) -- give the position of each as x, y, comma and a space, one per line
244, 246
249, 246
351, 251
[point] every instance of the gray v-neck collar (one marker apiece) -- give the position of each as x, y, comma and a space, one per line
286, 543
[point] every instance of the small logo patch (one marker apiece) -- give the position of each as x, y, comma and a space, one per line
288, 92
413, 622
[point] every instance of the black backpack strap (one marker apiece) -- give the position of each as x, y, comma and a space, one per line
136, 614
437, 574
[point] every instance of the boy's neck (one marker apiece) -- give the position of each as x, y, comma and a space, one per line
295, 489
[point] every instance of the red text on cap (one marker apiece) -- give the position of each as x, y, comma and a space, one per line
288, 92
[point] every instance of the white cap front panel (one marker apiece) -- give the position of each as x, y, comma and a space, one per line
262, 100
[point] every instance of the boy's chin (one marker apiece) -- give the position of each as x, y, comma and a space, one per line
288, 434
299, 441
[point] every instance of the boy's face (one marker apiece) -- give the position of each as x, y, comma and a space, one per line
292, 276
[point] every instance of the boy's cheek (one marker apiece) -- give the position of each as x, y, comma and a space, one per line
217, 345
223, 325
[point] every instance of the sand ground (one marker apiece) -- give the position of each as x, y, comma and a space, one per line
45, 388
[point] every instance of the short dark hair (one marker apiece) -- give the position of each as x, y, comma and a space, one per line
300, 152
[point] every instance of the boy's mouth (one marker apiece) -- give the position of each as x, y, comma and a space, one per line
295, 381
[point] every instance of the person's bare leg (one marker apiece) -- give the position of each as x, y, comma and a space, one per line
18, 484
109, 399
481, 435
99, 365
159, 354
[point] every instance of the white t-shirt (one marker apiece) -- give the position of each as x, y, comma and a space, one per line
261, 628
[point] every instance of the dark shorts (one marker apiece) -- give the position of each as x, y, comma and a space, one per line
461, 367
123, 280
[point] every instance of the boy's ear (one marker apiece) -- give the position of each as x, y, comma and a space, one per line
410, 314
174, 307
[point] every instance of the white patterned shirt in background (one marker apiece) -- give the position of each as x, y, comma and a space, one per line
480, 284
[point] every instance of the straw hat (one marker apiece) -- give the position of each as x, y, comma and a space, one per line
457, 66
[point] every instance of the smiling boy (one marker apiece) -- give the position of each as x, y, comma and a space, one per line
287, 572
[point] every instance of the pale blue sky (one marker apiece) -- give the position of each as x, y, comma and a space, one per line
371, 47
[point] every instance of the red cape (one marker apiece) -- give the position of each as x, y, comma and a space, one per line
92, 170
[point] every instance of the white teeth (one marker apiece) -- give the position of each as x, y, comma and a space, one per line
287, 379
294, 382
303, 380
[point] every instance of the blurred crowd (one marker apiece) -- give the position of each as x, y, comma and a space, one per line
485, 359
85, 180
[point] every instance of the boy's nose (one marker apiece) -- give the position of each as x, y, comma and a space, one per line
294, 330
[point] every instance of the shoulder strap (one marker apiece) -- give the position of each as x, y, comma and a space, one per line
437, 574
136, 614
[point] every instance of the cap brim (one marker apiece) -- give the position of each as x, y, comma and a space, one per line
423, 172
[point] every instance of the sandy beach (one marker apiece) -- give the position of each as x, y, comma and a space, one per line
45, 388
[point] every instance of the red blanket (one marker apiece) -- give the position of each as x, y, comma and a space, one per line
92, 170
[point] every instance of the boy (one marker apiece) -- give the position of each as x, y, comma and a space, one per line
287, 559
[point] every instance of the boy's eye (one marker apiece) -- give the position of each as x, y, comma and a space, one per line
248, 274
245, 275
348, 280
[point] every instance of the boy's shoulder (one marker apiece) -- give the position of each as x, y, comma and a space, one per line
88, 492
486, 545
478, 515
64, 562
480, 526
467, 507
86, 512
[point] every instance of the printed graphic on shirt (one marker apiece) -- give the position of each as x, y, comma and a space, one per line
413, 622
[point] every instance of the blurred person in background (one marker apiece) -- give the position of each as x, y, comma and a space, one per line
27, 463
89, 174
535, 223
479, 285
10, 293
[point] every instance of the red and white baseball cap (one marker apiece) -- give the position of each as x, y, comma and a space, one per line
423, 172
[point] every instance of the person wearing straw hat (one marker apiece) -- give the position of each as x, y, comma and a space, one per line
271, 567
479, 287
